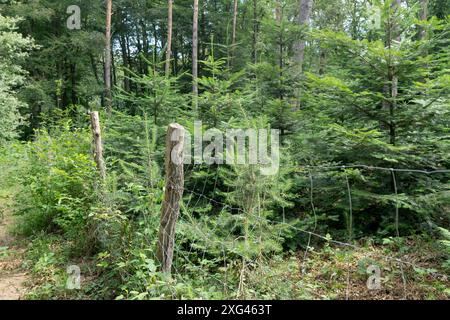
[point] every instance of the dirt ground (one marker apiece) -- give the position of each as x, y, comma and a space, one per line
12, 278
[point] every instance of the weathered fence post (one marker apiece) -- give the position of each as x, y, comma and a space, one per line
172, 196
98, 147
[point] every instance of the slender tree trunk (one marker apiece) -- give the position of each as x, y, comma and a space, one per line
155, 47
354, 21
108, 97
423, 16
175, 53
113, 66
169, 37
303, 20
255, 30
390, 88
202, 32
73, 70
140, 64
94, 68
59, 89
299, 47
394, 82
322, 61
423, 31
129, 59
195, 56
126, 81
279, 20
145, 44
233, 37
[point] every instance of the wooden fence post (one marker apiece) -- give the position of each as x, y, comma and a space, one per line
98, 147
172, 196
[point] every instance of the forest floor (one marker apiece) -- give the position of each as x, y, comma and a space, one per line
342, 274
12, 276
35, 268
331, 273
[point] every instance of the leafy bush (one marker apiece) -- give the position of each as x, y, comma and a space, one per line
58, 186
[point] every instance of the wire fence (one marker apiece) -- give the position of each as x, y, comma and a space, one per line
205, 238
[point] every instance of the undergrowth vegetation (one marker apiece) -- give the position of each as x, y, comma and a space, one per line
362, 114
235, 237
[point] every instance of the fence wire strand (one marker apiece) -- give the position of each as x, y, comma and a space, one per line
229, 242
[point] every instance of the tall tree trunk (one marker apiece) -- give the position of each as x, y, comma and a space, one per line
299, 47
203, 47
108, 97
59, 89
169, 37
354, 21
94, 68
155, 47
255, 30
390, 89
195, 56
73, 70
303, 20
423, 16
140, 65
279, 20
394, 82
233, 37
126, 81
145, 45
322, 61
175, 53
130, 60
113, 66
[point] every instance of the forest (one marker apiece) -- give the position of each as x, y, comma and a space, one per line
225, 150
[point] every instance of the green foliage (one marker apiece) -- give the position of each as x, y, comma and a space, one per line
350, 117
158, 96
58, 182
13, 51
365, 96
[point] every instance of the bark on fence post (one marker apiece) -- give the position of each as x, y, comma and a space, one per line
172, 196
98, 147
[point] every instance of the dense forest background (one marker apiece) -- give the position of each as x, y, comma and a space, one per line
358, 89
